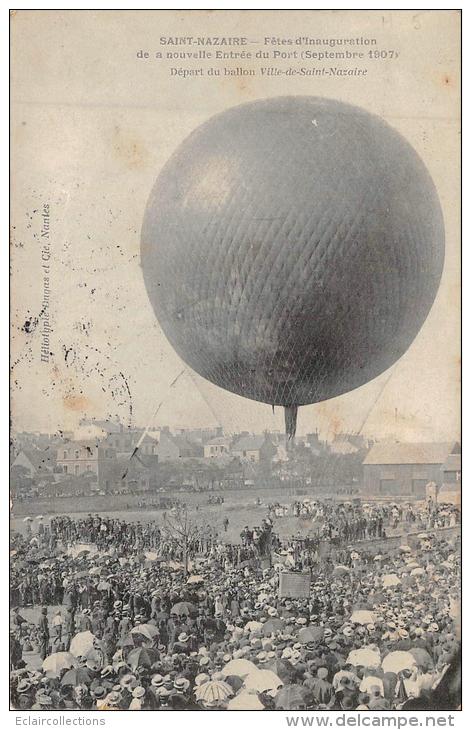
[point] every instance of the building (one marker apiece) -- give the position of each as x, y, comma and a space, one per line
86, 457
404, 468
216, 447
34, 463
450, 491
254, 448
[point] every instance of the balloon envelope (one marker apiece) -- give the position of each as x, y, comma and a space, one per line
292, 248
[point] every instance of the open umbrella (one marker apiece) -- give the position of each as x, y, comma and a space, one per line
262, 680
391, 580
238, 668
184, 608
103, 585
75, 676
251, 626
55, 663
417, 571
151, 556
423, 536
283, 669
195, 579
341, 570
365, 657
149, 631
405, 548
292, 697
235, 682
214, 692
397, 661
142, 657
272, 626
422, 657
363, 617
311, 634
27, 519
81, 643
245, 701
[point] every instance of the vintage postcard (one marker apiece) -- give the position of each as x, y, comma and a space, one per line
235, 456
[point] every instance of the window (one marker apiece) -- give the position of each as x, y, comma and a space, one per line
76, 469
77, 454
66, 454
66, 469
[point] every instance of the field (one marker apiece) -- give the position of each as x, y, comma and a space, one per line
239, 506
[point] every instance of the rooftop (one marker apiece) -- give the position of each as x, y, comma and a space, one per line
410, 453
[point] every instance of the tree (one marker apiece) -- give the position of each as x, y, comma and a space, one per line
181, 530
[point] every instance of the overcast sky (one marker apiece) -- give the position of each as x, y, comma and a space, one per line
92, 128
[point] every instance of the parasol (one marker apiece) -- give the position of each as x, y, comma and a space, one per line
245, 701
149, 631
311, 634
397, 661
365, 657
238, 668
214, 692
55, 663
142, 657
272, 626
184, 608
363, 617
262, 680
75, 676
81, 643
292, 697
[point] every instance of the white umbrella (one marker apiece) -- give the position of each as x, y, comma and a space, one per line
397, 661
423, 536
363, 617
40, 517
262, 680
238, 668
27, 519
245, 701
195, 579
213, 692
391, 579
365, 657
405, 548
81, 643
252, 626
57, 662
151, 556
418, 571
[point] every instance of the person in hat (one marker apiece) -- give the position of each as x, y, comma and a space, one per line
98, 695
43, 633
322, 689
180, 699
377, 701
182, 646
138, 698
112, 701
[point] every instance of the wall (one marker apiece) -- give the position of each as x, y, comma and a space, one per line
401, 476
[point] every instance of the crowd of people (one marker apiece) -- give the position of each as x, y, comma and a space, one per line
126, 616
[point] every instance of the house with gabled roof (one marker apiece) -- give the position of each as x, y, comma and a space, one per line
393, 468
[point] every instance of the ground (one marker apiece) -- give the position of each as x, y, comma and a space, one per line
239, 506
